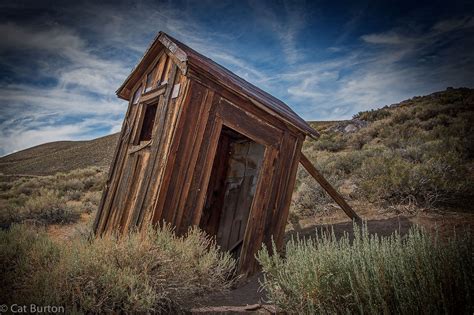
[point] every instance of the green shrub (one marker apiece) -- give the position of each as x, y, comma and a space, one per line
73, 184
419, 152
330, 141
372, 275
25, 263
47, 208
308, 198
394, 179
152, 271
44, 207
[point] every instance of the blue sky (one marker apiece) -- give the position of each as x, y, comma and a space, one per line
61, 64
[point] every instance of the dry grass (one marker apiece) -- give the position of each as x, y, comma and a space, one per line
57, 199
153, 271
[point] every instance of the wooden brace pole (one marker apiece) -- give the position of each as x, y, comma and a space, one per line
330, 190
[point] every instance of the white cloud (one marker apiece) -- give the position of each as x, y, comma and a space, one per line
390, 38
28, 132
386, 67
454, 24
56, 40
389, 67
83, 87
399, 36
87, 78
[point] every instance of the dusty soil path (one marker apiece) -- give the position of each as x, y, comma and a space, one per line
247, 297
383, 222
64, 232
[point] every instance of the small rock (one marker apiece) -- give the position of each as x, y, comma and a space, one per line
252, 307
350, 128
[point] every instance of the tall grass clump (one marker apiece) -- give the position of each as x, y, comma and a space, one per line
414, 274
154, 271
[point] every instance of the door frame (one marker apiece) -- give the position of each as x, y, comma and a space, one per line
263, 133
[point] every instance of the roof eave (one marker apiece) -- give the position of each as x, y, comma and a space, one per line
180, 57
302, 126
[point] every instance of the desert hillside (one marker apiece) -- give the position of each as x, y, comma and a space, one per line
60, 156
414, 155
417, 154
439, 121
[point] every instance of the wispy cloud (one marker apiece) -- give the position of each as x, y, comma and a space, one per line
81, 87
30, 131
454, 24
79, 102
387, 68
390, 38
285, 24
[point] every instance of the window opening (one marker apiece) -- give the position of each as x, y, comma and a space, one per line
148, 122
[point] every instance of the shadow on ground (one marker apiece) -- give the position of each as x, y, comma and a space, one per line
382, 227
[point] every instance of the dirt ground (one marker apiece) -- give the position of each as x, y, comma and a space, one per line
384, 222
63, 232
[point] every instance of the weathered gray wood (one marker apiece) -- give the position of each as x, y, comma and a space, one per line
284, 205
153, 94
328, 188
158, 130
108, 195
190, 154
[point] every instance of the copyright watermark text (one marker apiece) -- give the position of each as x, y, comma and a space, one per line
31, 308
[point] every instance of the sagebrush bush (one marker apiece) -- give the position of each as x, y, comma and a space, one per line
308, 198
338, 168
57, 199
373, 115
152, 271
47, 207
415, 274
414, 177
331, 141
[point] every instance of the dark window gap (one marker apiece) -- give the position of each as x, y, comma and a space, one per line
148, 122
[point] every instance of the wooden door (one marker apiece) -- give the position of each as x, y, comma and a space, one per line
231, 192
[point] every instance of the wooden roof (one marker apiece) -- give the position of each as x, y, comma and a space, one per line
185, 56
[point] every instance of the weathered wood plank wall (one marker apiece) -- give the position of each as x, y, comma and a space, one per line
135, 172
166, 179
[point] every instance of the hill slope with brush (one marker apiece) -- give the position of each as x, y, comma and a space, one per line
417, 154
60, 156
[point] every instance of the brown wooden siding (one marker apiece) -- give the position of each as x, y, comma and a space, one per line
167, 178
131, 179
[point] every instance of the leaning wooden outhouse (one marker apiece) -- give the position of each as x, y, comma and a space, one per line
201, 146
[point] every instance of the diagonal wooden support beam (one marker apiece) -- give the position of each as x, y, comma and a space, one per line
330, 190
